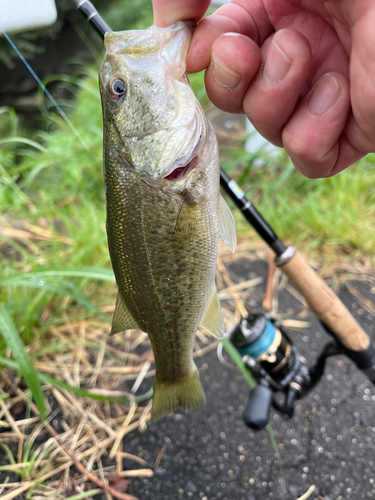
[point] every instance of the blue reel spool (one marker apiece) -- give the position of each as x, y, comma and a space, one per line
260, 345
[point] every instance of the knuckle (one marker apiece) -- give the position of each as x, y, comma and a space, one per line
357, 138
296, 148
312, 161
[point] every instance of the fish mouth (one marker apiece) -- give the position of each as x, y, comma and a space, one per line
182, 167
180, 173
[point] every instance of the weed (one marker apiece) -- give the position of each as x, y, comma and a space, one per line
52, 229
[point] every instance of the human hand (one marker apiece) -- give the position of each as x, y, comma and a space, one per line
303, 72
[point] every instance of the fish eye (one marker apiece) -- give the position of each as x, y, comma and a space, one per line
117, 88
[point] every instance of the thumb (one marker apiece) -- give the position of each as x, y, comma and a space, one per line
167, 12
362, 70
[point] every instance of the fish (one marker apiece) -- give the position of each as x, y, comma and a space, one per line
163, 203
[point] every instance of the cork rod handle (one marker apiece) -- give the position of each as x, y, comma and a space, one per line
325, 303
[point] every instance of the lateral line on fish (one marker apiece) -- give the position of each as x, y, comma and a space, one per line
48, 94
148, 252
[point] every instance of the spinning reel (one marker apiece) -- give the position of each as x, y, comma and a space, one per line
276, 364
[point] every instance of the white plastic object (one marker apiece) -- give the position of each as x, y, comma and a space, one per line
26, 15
257, 143
217, 3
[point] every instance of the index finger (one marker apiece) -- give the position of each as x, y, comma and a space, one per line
167, 12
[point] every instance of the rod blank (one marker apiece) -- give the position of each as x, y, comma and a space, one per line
92, 16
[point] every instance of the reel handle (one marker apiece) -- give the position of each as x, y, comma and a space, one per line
257, 411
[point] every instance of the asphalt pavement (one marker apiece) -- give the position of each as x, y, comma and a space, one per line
212, 455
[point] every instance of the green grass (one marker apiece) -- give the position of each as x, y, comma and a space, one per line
55, 182
24, 362
337, 212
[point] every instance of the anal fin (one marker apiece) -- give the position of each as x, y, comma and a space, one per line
212, 319
122, 318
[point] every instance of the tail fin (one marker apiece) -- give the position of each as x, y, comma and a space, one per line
186, 393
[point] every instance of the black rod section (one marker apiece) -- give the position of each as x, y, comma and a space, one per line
92, 16
250, 213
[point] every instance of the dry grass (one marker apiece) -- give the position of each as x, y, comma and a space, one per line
78, 431
82, 445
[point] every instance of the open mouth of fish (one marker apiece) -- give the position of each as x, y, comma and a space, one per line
180, 172
187, 163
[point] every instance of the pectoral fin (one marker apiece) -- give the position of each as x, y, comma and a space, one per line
212, 319
122, 318
227, 231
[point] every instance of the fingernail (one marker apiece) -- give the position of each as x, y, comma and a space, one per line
277, 65
222, 74
325, 95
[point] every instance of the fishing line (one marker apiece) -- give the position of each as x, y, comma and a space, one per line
48, 94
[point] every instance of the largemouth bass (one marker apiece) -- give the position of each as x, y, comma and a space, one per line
164, 210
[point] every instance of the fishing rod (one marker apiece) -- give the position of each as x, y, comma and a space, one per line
265, 346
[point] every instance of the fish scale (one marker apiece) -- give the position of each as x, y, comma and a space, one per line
162, 226
148, 267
